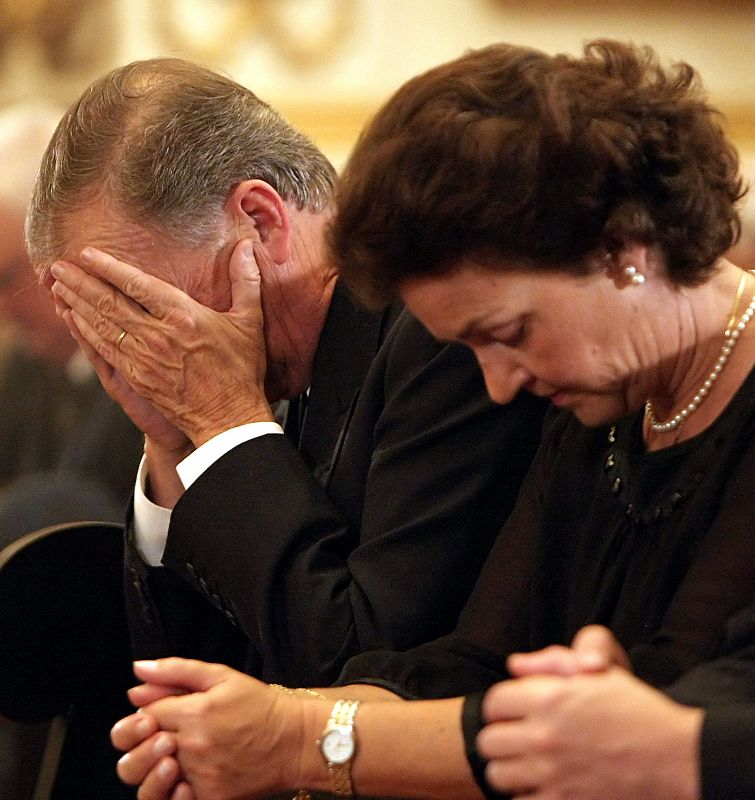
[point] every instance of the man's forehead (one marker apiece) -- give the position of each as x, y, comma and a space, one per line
136, 244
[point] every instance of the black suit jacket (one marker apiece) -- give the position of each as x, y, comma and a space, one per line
284, 560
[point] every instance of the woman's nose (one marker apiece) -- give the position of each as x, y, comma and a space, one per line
504, 377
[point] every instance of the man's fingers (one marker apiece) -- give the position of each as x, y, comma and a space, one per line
102, 368
146, 290
132, 730
102, 325
244, 274
105, 371
103, 343
93, 298
60, 305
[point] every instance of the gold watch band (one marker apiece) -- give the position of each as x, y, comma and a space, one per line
340, 776
343, 712
342, 717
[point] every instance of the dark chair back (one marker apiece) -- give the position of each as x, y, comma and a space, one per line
64, 646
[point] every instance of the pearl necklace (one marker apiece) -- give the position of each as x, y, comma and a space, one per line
731, 336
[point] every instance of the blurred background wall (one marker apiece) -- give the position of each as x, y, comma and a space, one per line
327, 64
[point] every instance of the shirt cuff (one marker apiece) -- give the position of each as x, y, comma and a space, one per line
201, 459
151, 522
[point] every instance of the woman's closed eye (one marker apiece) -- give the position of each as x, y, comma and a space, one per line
513, 334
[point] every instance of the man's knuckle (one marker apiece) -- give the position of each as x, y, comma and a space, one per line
105, 304
100, 324
134, 378
156, 342
180, 318
133, 286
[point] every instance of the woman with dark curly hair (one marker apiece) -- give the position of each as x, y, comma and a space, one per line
566, 219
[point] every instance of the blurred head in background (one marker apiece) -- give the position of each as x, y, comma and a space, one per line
25, 130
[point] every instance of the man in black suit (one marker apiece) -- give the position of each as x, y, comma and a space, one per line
364, 527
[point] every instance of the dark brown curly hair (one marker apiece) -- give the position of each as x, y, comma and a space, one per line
508, 154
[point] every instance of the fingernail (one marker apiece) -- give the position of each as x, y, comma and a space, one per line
246, 250
56, 270
86, 255
145, 664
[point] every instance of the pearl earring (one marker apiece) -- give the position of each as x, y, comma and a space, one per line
633, 276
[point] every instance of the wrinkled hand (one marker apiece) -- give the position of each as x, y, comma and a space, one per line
593, 649
227, 736
202, 370
589, 737
141, 411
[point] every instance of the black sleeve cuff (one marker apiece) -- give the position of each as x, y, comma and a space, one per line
727, 763
471, 724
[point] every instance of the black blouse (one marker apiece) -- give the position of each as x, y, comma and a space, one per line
658, 546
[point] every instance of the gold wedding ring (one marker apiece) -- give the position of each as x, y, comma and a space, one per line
119, 340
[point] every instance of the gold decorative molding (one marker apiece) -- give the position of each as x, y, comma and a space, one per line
636, 6
303, 32
73, 36
739, 122
334, 122
326, 25
205, 29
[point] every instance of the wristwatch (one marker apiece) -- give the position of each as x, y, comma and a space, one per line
338, 746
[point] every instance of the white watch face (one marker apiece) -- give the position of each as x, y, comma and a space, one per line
338, 745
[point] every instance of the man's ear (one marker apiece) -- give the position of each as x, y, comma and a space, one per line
261, 215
